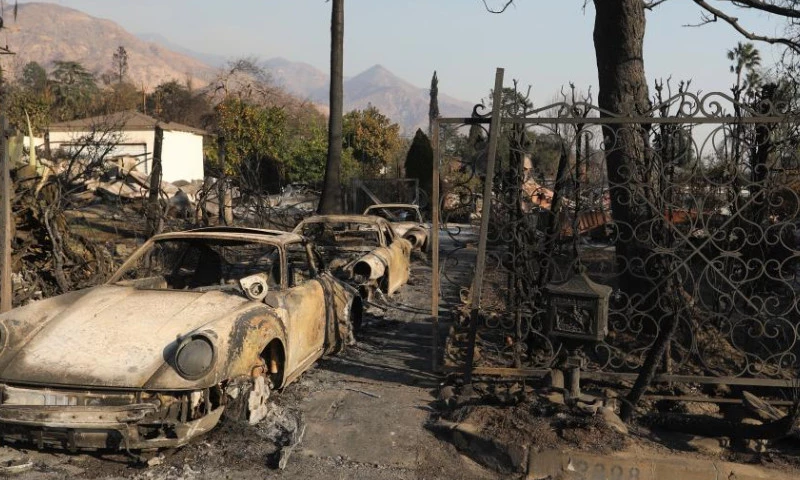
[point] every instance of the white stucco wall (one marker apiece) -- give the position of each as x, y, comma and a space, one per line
135, 143
182, 156
181, 152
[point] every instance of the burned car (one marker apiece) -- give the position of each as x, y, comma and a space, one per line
194, 325
361, 249
406, 219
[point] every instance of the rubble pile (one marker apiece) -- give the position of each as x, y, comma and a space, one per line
499, 423
502, 422
54, 248
47, 257
76, 220
283, 210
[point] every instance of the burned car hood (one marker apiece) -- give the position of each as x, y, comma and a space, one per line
401, 228
110, 336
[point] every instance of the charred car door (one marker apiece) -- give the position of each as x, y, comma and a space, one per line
306, 307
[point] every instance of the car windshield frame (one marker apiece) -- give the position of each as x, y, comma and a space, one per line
277, 280
392, 209
333, 242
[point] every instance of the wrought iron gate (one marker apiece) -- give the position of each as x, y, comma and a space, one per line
694, 227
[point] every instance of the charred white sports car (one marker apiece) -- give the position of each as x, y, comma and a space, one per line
194, 324
406, 219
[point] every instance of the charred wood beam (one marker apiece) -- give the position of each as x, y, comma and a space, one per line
57, 242
5, 224
719, 427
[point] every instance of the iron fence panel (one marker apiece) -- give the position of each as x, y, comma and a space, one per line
694, 223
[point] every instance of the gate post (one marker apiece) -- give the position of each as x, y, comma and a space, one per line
435, 280
488, 186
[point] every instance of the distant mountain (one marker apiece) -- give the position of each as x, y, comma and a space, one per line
396, 98
207, 58
299, 78
47, 32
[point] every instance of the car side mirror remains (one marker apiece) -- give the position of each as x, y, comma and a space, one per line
255, 286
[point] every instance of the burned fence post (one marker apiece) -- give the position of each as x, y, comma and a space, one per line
488, 187
223, 192
435, 291
6, 192
155, 222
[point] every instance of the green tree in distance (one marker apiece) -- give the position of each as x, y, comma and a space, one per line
419, 162
120, 63
372, 138
433, 106
31, 94
74, 90
34, 78
251, 133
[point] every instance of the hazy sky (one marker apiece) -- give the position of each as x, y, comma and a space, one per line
543, 43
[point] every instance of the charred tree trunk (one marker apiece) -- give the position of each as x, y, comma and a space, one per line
618, 38
331, 199
155, 221
201, 210
48, 154
760, 157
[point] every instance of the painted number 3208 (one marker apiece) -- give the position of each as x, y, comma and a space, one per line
599, 471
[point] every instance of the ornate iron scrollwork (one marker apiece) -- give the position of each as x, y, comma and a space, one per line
712, 243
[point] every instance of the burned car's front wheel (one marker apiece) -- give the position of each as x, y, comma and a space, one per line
247, 400
247, 397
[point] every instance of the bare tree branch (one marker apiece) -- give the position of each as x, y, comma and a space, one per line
788, 12
705, 19
501, 10
653, 4
734, 22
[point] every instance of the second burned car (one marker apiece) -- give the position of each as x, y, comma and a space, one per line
364, 250
406, 220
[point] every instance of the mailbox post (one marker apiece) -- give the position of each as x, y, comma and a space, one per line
577, 314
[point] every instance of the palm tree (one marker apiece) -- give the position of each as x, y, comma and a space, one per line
331, 199
746, 58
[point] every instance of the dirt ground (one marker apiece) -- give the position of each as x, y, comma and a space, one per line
367, 414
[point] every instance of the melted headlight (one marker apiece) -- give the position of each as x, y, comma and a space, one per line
194, 357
